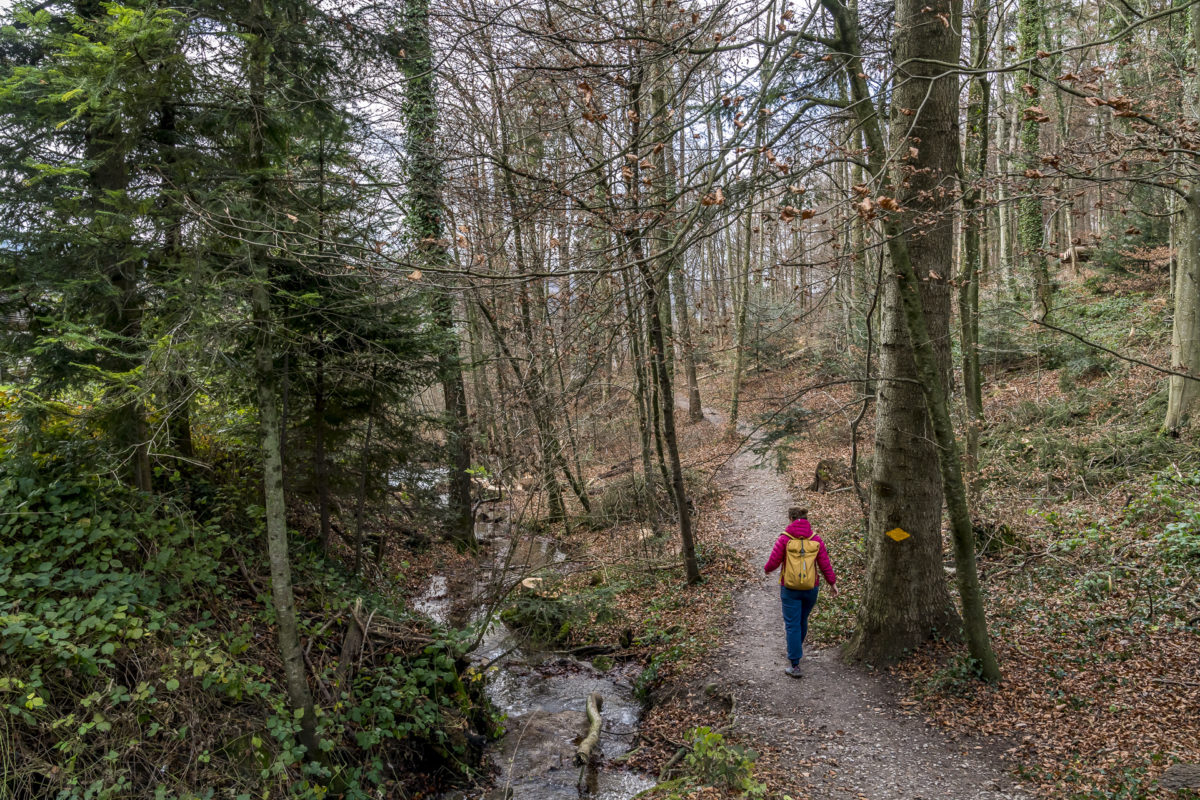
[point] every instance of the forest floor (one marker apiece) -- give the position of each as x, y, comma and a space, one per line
841, 731
1088, 541
1087, 520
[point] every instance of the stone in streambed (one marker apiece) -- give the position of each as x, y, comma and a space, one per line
538, 752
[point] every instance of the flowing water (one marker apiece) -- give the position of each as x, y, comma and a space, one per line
542, 693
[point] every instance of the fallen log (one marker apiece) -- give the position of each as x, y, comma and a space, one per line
583, 753
590, 650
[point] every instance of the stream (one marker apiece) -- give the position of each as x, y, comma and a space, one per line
542, 693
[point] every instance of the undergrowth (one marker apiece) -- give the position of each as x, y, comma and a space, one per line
624, 498
712, 761
137, 655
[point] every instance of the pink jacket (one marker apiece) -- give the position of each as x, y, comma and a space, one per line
800, 529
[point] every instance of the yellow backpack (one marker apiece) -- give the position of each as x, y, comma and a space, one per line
800, 564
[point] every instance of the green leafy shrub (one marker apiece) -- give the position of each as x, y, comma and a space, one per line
1147, 553
650, 675
714, 762
1172, 501
544, 618
101, 627
136, 661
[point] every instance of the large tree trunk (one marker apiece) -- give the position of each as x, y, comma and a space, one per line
425, 224
1030, 223
1185, 329
905, 599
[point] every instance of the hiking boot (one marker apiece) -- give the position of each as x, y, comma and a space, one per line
793, 672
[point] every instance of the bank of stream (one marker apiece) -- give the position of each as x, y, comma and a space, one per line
543, 693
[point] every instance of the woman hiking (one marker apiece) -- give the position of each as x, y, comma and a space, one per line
801, 553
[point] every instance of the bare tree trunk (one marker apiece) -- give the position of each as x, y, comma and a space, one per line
668, 412
905, 600
741, 307
642, 394
276, 516
975, 166
1031, 223
1003, 207
677, 269
274, 502
1185, 329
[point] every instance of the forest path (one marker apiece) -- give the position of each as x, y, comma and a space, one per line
839, 728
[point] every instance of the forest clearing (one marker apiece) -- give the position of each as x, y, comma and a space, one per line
651, 399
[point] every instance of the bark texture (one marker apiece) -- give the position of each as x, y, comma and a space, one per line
905, 600
1030, 223
1185, 329
974, 251
897, 615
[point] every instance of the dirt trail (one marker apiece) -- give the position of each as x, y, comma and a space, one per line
839, 724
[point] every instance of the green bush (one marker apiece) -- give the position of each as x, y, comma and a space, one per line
545, 619
714, 762
1172, 501
1147, 553
101, 628
650, 675
135, 661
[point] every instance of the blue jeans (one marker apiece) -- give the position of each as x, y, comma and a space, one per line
797, 605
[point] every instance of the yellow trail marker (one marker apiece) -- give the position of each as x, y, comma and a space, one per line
898, 534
